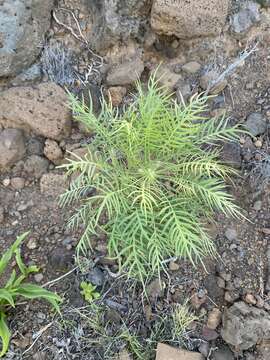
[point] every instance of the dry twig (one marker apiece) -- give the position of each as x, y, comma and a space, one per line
97, 61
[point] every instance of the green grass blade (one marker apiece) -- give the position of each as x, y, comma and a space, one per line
5, 334
31, 291
9, 253
6, 296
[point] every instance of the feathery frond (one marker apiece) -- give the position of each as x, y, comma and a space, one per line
150, 175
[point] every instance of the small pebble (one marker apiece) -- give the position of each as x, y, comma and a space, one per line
257, 205
17, 183
6, 182
237, 283
221, 283
175, 44
214, 319
231, 234
177, 68
258, 144
225, 276
41, 315
173, 266
38, 277
242, 141
191, 67
32, 244
197, 300
258, 157
250, 299
209, 334
228, 297
22, 207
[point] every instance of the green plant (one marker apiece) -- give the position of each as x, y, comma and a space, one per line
149, 178
89, 291
182, 317
16, 287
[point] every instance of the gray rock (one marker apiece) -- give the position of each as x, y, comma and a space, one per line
125, 73
12, 147
61, 259
36, 166
256, 124
114, 20
231, 234
231, 154
96, 276
213, 290
221, 283
257, 206
244, 326
191, 67
245, 18
30, 75
209, 334
223, 353
22, 27
34, 147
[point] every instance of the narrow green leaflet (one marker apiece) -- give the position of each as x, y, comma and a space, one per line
6, 295
11, 280
5, 334
9, 253
22, 267
31, 291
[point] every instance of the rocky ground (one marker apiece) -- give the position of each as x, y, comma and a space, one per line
102, 48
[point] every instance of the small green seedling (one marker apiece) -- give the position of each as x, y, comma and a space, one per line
16, 287
89, 291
